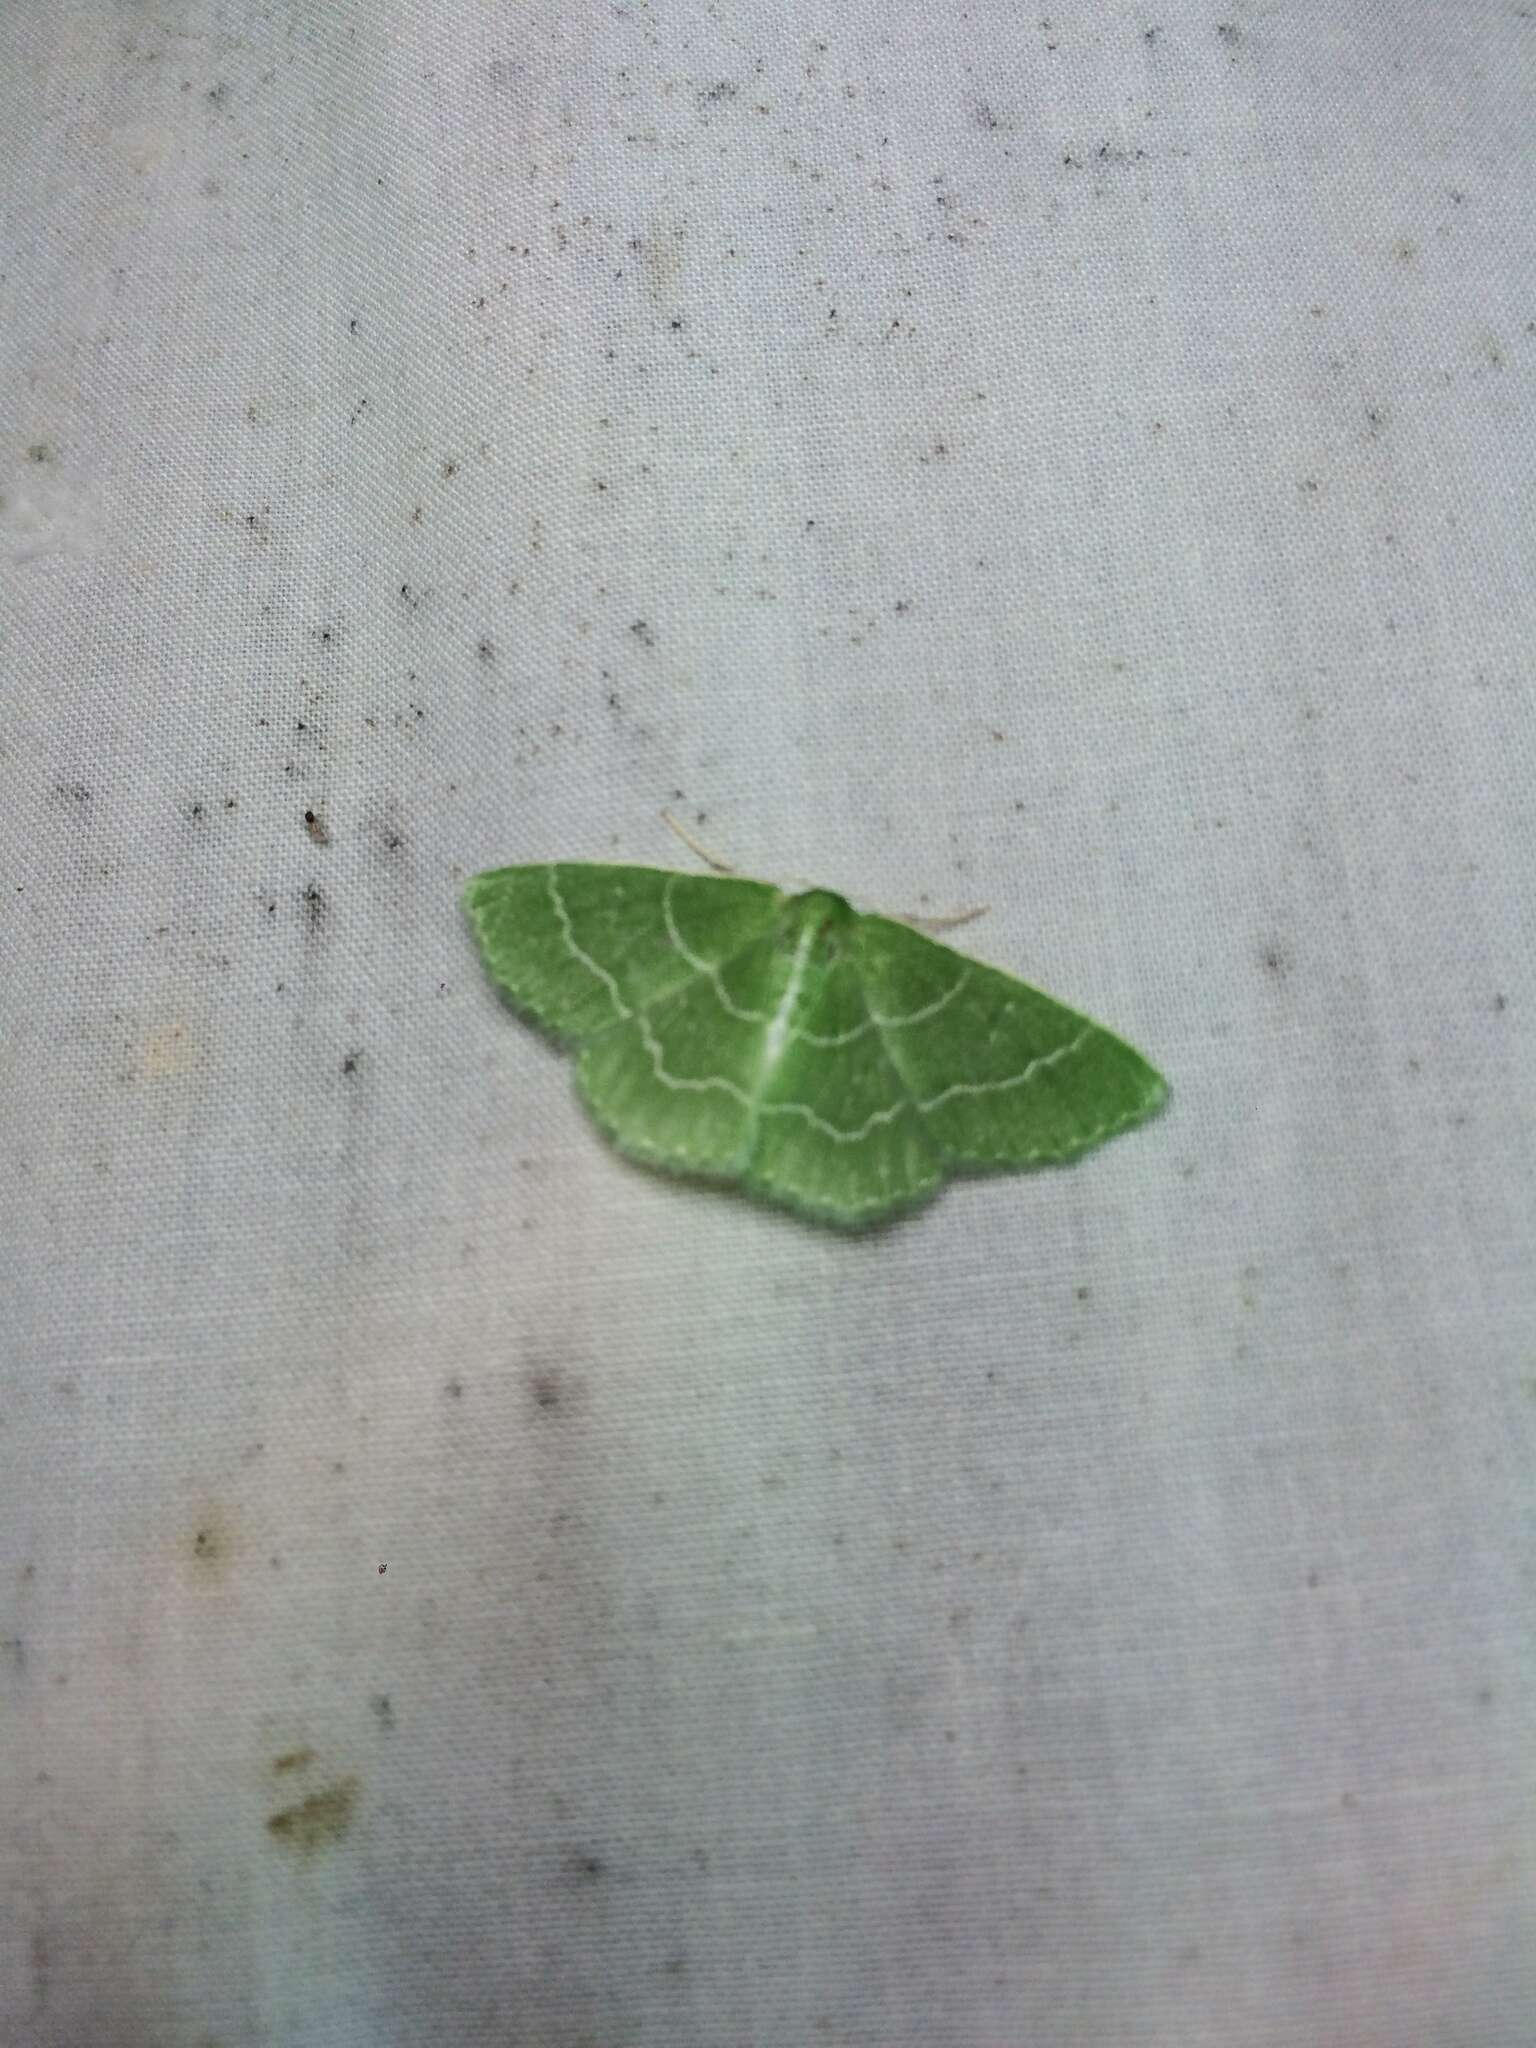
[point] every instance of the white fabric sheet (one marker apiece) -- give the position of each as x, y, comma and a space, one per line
458, 1587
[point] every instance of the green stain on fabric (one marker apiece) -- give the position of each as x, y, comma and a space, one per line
838, 1064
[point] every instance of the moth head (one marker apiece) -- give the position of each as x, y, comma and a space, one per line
827, 917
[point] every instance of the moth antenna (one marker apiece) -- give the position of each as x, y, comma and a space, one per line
711, 860
943, 924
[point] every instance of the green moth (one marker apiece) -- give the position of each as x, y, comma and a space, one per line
839, 1064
